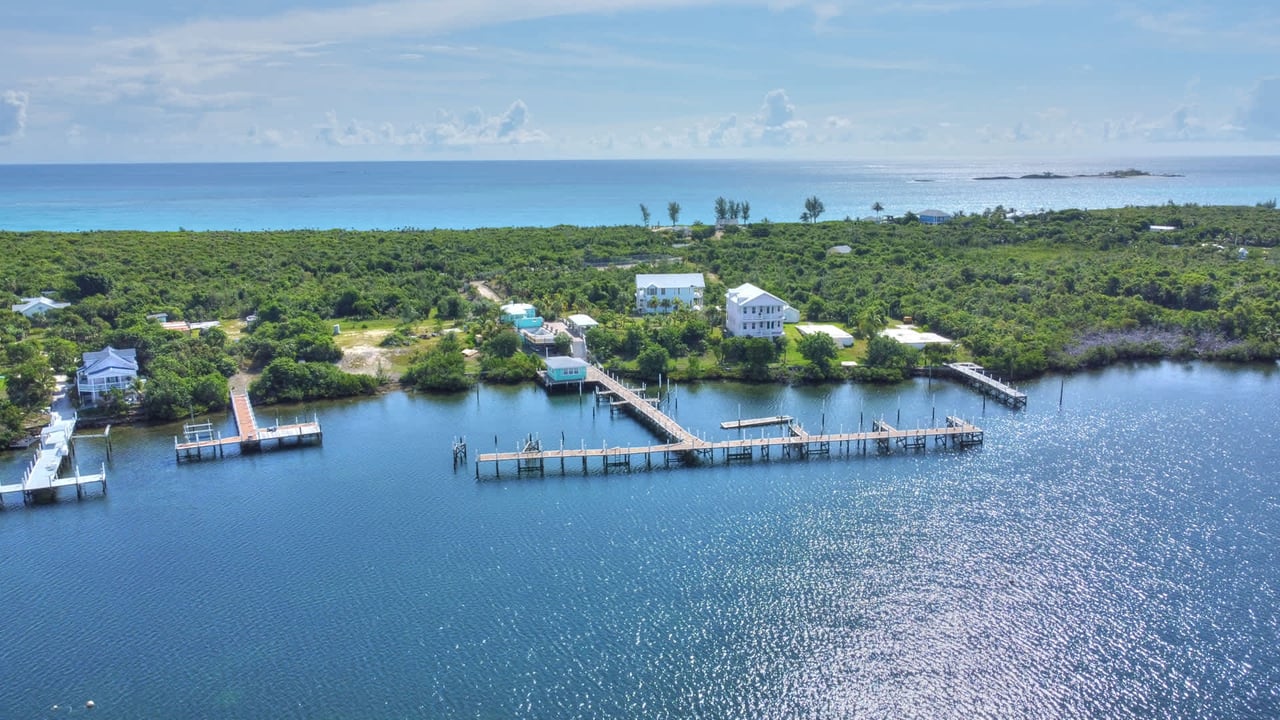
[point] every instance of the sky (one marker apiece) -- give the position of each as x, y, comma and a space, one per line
279, 80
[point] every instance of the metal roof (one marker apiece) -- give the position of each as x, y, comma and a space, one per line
671, 280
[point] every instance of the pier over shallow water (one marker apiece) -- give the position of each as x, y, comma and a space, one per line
684, 446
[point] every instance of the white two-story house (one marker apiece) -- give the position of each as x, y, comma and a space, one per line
752, 312
662, 293
105, 370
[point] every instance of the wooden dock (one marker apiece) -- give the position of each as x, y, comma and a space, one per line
883, 438
683, 446
43, 476
201, 437
979, 379
643, 408
756, 422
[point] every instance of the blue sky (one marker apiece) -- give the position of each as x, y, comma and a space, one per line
459, 79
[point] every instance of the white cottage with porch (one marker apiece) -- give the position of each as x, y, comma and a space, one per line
664, 292
752, 312
106, 370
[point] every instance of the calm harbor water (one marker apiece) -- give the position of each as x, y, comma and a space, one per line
1116, 557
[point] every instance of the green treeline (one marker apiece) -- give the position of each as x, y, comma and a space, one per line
1023, 295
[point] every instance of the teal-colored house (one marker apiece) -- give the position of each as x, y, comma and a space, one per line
566, 370
522, 315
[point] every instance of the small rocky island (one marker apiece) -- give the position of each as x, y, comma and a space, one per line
1131, 172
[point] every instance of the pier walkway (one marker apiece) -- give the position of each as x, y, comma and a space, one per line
978, 378
684, 446
42, 478
641, 407
883, 437
199, 437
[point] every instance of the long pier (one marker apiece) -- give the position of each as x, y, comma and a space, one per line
43, 476
201, 437
976, 377
684, 446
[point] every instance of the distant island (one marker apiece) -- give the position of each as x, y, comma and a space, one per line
1131, 172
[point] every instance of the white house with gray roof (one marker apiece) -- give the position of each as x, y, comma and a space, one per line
662, 293
106, 370
30, 307
752, 312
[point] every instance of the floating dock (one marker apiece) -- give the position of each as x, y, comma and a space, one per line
979, 379
756, 422
684, 446
201, 437
43, 476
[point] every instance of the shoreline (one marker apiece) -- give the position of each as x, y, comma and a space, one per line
916, 373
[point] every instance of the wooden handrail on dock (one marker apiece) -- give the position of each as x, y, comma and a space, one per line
249, 436
42, 477
684, 445
978, 378
628, 398
956, 432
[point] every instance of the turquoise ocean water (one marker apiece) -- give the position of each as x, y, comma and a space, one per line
1115, 557
497, 194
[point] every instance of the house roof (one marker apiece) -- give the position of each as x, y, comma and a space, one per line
934, 213
560, 362
910, 335
517, 308
671, 280
747, 293
831, 331
41, 302
582, 320
110, 358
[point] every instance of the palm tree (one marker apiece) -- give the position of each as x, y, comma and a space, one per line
877, 208
673, 210
644, 213
813, 208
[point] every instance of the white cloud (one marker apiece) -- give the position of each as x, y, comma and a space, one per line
1182, 123
472, 128
13, 115
1260, 116
353, 133
838, 129
776, 121
270, 137
775, 124
725, 134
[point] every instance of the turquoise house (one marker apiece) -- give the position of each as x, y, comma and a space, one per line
566, 370
522, 315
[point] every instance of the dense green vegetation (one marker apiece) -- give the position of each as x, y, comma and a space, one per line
1024, 295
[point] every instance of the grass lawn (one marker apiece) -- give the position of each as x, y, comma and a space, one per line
854, 353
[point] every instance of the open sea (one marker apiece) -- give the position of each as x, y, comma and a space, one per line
1113, 556
390, 195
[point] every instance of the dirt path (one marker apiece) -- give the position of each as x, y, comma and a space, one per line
485, 291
